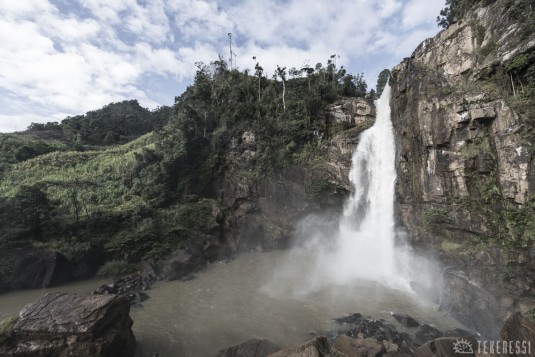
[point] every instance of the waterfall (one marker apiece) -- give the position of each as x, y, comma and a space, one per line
362, 244
365, 244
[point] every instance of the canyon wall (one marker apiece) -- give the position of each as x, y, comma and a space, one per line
463, 115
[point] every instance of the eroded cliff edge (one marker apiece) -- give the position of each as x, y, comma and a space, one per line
463, 114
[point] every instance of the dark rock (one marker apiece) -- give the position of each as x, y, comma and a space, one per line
349, 319
377, 329
406, 344
250, 348
381, 330
131, 286
188, 278
105, 289
215, 252
36, 269
184, 262
427, 333
62, 325
315, 347
88, 264
406, 320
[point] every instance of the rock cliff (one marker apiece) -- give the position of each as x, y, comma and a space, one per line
262, 212
462, 109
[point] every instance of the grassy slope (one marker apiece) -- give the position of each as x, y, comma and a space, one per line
98, 182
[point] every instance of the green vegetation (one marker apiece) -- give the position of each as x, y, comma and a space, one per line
116, 268
455, 10
318, 187
6, 330
382, 81
116, 123
435, 218
531, 313
138, 184
490, 48
449, 247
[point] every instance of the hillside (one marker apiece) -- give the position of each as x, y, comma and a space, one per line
212, 172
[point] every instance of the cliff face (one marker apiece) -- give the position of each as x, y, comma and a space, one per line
262, 212
462, 109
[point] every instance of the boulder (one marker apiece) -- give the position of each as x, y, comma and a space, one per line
250, 348
349, 319
184, 262
427, 333
396, 343
61, 325
406, 320
36, 269
131, 286
315, 347
345, 346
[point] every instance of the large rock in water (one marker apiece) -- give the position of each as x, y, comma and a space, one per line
184, 262
36, 269
61, 325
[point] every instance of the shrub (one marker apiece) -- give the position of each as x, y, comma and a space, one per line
116, 268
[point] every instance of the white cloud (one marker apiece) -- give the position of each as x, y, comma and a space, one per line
18, 8
421, 12
10, 123
68, 57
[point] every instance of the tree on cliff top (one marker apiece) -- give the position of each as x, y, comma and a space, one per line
382, 80
456, 9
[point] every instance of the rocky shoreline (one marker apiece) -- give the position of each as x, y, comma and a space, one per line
359, 336
362, 337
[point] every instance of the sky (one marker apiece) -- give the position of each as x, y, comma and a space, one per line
60, 58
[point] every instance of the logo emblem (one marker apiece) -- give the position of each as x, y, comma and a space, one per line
462, 346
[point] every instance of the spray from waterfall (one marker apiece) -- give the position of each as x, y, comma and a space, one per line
363, 243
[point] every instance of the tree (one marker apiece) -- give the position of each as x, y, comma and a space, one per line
258, 72
447, 15
354, 85
203, 89
456, 9
281, 72
382, 80
32, 207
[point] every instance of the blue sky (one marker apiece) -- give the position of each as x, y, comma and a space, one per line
66, 57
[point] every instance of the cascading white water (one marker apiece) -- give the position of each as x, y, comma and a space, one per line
361, 244
365, 246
